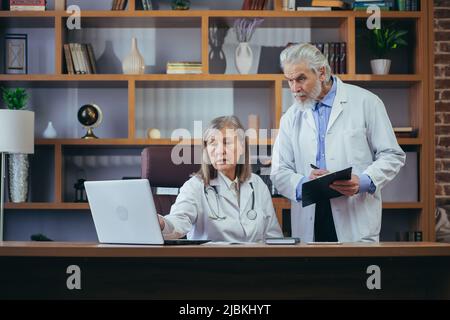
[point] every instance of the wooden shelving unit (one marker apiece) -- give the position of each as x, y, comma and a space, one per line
418, 82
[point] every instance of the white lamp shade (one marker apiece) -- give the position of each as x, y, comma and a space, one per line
16, 131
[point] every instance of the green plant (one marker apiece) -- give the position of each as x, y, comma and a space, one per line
382, 41
180, 4
15, 99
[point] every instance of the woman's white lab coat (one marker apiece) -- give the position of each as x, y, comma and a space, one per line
359, 135
190, 214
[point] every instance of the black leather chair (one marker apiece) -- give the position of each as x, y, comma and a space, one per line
157, 166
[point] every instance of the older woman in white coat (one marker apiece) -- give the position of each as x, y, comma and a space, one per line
224, 201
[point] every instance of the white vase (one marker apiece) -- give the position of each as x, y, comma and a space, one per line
380, 66
133, 62
243, 58
49, 132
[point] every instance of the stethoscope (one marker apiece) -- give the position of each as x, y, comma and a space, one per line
215, 215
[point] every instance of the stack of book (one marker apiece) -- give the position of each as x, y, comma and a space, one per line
119, 4
319, 5
27, 5
254, 4
147, 4
406, 132
362, 5
328, 3
336, 53
79, 58
184, 67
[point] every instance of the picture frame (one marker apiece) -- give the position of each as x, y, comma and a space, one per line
16, 53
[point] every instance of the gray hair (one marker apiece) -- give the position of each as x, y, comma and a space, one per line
308, 53
243, 167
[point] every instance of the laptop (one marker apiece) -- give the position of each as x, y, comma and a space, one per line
124, 213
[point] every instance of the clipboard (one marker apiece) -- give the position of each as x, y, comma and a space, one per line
319, 189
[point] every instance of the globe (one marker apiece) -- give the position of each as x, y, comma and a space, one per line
88, 115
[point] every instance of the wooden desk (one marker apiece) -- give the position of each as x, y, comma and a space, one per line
408, 270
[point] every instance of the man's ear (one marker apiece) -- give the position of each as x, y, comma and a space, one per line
322, 74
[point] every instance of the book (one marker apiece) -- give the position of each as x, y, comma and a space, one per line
328, 3
68, 57
406, 132
91, 55
403, 129
27, 2
76, 64
343, 58
313, 8
287, 240
27, 8
319, 189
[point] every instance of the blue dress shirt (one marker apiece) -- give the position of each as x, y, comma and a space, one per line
321, 113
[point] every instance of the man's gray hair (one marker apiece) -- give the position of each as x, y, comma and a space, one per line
307, 53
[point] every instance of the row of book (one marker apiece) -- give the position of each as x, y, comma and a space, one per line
327, 5
336, 53
27, 5
400, 5
313, 5
79, 58
254, 4
184, 67
147, 4
119, 4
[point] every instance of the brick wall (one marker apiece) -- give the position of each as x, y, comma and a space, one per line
442, 99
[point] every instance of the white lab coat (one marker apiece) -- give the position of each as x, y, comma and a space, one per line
189, 214
359, 135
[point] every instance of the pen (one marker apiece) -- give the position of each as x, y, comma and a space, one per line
313, 166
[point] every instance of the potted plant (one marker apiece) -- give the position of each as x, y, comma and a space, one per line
180, 4
16, 118
15, 99
381, 42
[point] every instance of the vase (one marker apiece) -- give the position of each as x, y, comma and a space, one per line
243, 58
217, 61
49, 132
133, 62
380, 66
18, 177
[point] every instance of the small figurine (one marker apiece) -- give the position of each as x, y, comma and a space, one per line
80, 191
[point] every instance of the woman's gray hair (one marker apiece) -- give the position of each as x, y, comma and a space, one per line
243, 167
307, 53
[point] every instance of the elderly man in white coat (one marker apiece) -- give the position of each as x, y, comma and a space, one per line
331, 126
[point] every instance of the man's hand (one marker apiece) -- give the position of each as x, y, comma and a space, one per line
317, 173
162, 223
347, 187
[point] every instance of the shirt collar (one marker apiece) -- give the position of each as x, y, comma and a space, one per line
328, 100
228, 182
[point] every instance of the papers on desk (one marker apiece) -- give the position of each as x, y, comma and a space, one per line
319, 189
226, 243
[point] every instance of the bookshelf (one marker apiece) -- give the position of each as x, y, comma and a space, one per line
132, 103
